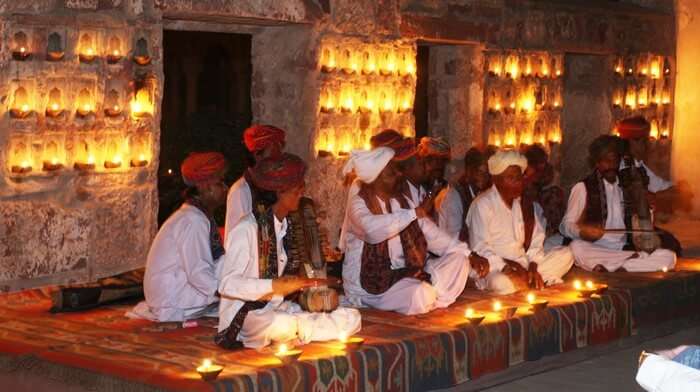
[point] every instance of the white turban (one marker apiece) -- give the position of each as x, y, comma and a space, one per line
500, 161
368, 164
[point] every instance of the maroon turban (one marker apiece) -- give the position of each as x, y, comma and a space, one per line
202, 167
259, 137
433, 146
634, 128
279, 173
403, 149
385, 138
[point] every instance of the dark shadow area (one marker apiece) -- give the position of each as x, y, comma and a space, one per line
206, 105
420, 106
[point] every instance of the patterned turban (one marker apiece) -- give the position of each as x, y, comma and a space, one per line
634, 128
202, 167
368, 164
279, 173
433, 146
385, 138
500, 161
259, 137
403, 149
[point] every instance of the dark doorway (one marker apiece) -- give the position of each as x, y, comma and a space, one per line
420, 106
206, 105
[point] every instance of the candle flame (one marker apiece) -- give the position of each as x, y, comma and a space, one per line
115, 53
531, 298
54, 106
589, 284
170, 171
469, 313
91, 160
497, 306
54, 161
206, 364
498, 107
142, 157
87, 107
618, 69
24, 164
25, 108
343, 337
117, 158
577, 284
89, 51
22, 49
664, 269
282, 349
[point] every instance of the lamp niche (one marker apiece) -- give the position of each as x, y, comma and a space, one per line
21, 106
54, 47
54, 107
21, 50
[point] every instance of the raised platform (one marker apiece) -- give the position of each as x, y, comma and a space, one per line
105, 350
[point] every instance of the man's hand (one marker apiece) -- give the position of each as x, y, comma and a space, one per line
479, 264
590, 232
534, 278
289, 284
426, 207
514, 268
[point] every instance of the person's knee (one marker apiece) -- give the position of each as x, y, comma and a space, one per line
422, 299
501, 284
667, 257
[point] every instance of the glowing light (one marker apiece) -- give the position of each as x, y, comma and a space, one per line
497, 306
54, 161
664, 269
54, 106
497, 107
577, 284
22, 49
91, 160
142, 157
282, 349
170, 171
589, 284
25, 108
343, 337
24, 164
531, 298
469, 313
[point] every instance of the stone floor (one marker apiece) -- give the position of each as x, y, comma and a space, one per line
614, 372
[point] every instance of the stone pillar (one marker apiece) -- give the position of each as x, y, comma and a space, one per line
686, 138
586, 113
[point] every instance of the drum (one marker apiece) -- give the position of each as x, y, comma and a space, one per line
319, 299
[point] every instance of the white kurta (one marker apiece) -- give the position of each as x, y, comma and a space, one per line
658, 374
343, 239
418, 193
656, 183
450, 209
498, 232
279, 320
239, 203
449, 271
181, 277
607, 251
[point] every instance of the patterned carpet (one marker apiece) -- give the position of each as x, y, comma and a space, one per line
401, 353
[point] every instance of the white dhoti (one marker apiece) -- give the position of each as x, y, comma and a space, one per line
589, 255
659, 374
283, 321
448, 275
555, 264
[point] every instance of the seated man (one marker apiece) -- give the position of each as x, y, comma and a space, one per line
413, 171
387, 264
596, 218
257, 273
666, 197
180, 280
510, 233
453, 202
262, 141
676, 370
538, 178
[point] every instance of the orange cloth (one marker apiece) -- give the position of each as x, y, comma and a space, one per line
258, 137
634, 128
202, 167
279, 173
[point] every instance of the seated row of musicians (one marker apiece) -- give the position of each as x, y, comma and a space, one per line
405, 249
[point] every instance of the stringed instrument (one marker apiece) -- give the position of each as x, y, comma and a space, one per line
638, 214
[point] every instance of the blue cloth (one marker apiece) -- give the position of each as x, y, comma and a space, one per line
689, 357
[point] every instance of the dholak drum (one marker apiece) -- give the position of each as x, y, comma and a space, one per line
319, 299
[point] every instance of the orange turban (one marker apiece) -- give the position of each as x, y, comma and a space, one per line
403, 149
433, 146
385, 138
634, 128
259, 137
279, 173
202, 167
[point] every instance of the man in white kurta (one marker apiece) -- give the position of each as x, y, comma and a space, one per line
497, 231
658, 373
262, 141
448, 271
593, 248
181, 280
278, 320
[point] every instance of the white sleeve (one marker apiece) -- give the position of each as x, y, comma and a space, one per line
659, 374
198, 261
239, 274
239, 203
574, 209
535, 253
439, 242
478, 222
377, 228
450, 211
656, 183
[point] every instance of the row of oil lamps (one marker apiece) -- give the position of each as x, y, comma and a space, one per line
634, 97
351, 99
643, 65
86, 48
530, 100
340, 141
525, 65
141, 105
368, 60
88, 164
512, 138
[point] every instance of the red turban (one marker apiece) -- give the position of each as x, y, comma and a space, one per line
259, 137
634, 128
433, 146
403, 149
385, 138
202, 167
279, 173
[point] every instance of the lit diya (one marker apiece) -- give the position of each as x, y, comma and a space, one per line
473, 317
536, 304
350, 343
209, 371
506, 312
287, 356
585, 291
